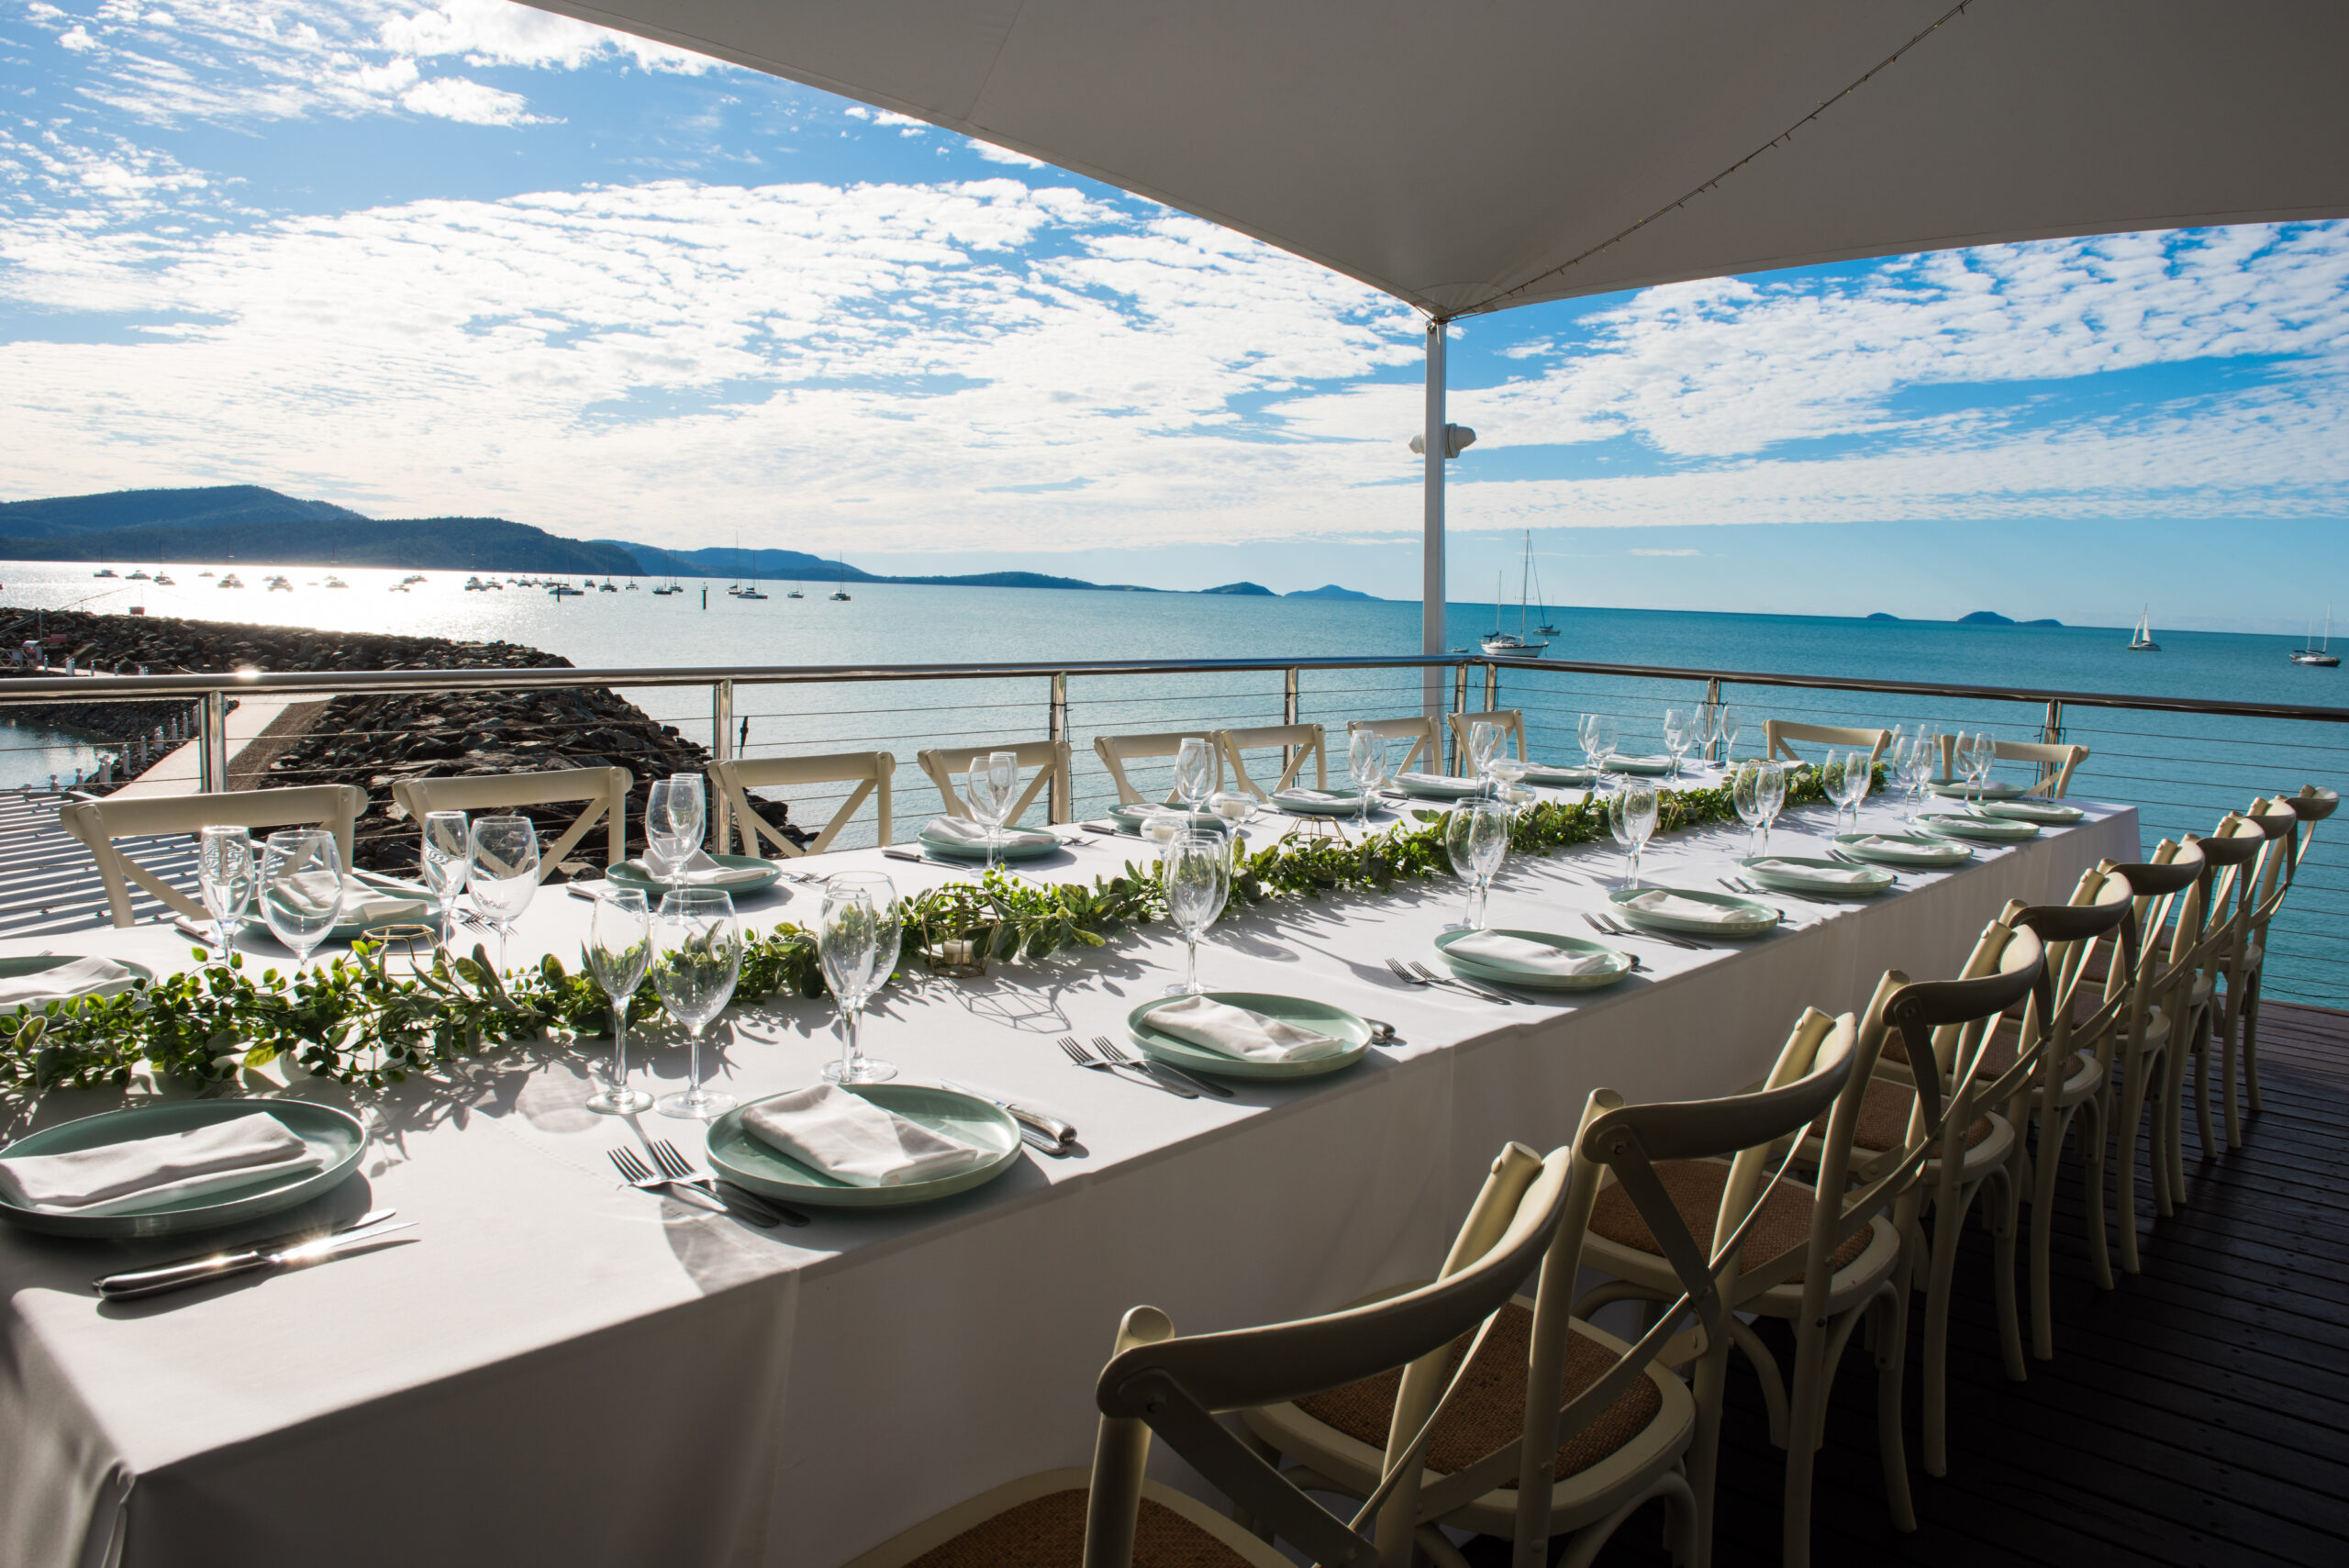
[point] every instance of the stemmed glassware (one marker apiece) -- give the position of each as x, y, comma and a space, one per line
1681, 730
225, 874
1978, 758
856, 944
1197, 871
673, 817
1484, 742
1725, 730
1746, 793
1598, 733
991, 783
1194, 772
1476, 837
445, 863
503, 873
1833, 770
301, 889
619, 949
1774, 797
1366, 765
1631, 817
1918, 767
701, 957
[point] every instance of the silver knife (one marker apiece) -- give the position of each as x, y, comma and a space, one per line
1040, 1128
154, 1281
212, 1259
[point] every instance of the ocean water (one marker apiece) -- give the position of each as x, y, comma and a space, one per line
2181, 771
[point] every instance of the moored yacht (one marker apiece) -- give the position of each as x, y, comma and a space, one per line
336, 583
135, 577
2141, 639
2319, 654
230, 580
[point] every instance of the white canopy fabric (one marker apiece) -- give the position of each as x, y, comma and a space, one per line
1470, 158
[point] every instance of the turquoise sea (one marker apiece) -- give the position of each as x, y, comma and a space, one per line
2181, 771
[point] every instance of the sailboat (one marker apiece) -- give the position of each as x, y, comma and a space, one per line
841, 594
1546, 628
753, 591
2320, 655
2141, 639
1515, 643
794, 593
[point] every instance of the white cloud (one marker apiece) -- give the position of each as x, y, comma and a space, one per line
77, 38
993, 154
455, 98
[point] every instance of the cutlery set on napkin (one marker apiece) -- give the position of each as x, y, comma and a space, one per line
696, 870
962, 830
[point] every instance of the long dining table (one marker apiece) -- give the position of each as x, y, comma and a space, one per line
560, 1368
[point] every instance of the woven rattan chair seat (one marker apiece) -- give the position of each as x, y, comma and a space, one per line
1695, 1186
1049, 1532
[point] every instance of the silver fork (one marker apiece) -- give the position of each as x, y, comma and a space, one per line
1739, 885
1852, 859
677, 1168
1617, 929
1111, 1051
1409, 978
637, 1173
1084, 1058
1475, 987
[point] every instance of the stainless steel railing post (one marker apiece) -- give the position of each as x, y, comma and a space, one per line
2051, 733
1288, 714
1459, 705
212, 756
1492, 687
721, 750
1059, 802
1712, 707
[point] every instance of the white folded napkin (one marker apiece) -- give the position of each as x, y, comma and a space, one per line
1235, 1031
1516, 952
1845, 874
144, 1172
1658, 901
314, 893
1618, 760
1907, 847
962, 830
1436, 780
82, 977
852, 1140
1990, 824
1314, 796
696, 870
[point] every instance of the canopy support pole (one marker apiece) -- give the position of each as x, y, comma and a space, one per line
1433, 635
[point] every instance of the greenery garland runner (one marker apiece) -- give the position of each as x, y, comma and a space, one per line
367, 1019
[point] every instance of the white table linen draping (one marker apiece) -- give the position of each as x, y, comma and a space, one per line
562, 1369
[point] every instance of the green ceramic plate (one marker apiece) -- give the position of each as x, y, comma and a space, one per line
1532, 979
1879, 880
1914, 849
746, 1162
336, 1136
1646, 767
1989, 830
1429, 786
2049, 811
1347, 803
17, 968
1755, 918
1962, 791
956, 849
1320, 1016
1132, 816
1561, 778
343, 930
769, 870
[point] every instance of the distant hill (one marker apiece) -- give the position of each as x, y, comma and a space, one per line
217, 505
778, 566
475, 544
1983, 618
1246, 590
1879, 615
1328, 590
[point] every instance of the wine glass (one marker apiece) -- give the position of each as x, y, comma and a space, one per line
1917, 777
1193, 772
1774, 797
1977, 770
701, 957
856, 944
619, 949
301, 889
1631, 818
1859, 779
687, 815
1475, 839
503, 853
1366, 765
1746, 793
1197, 871
1680, 731
1508, 772
1484, 741
443, 858
1600, 735
1831, 768
669, 828
1725, 730
989, 784
225, 874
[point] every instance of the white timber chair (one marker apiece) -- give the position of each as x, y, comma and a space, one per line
1159, 1383
1426, 741
1049, 758
2223, 903
1777, 732
1562, 1429
869, 771
2160, 1015
2270, 881
1298, 742
1117, 750
1512, 723
99, 823
603, 792
2057, 762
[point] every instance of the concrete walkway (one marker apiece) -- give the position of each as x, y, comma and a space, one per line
182, 771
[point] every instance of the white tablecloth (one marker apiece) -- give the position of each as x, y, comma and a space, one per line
566, 1370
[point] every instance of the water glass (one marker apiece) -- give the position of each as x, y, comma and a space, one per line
1725, 730
1746, 794
1484, 744
301, 889
1831, 768
619, 949
1476, 837
672, 817
1859, 779
1599, 735
1984, 753
701, 957
1631, 818
503, 872
1196, 868
1194, 770
1774, 797
1366, 765
445, 861
992, 782
857, 932
1680, 732
225, 874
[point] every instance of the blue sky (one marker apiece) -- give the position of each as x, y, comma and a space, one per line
479, 258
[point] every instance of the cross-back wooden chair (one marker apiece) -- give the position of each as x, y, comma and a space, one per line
2225, 900
869, 771
2312, 805
1300, 743
604, 791
99, 823
1159, 1383
1777, 732
1628, 1430
1425, 753
2269, 881
1049, 758
2057, 762
1512, 723
2160, 1015
1117, 750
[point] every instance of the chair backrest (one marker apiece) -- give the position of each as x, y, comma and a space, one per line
1175, 1386
1117, 750
1511, 720
2102, 906
1426, 741
2163, 886
99, 823
1298, 742
870, 771
2312, 805
603, 789
1776, 732
2272, 874
2055, 761
1049, 758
